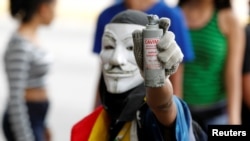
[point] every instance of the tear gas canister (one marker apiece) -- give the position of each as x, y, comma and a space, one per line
154, 73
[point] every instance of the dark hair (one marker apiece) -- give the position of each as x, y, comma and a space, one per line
25, 9
219, 4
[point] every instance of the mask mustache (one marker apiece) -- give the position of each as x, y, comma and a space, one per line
118, 69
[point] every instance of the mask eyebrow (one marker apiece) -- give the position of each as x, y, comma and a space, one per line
128, 38
109, 35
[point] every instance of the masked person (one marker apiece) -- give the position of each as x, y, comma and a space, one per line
161, 9
130, 111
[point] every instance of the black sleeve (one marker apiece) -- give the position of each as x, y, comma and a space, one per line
246, 61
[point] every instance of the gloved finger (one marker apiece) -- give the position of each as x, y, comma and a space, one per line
172, 70
176, 58
164, 23
165, 41
165, 55
138, 48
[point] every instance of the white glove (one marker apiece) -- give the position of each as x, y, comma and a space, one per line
169, 53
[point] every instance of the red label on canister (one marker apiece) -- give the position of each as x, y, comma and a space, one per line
151, 61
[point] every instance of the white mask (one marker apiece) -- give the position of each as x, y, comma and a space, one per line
119, 67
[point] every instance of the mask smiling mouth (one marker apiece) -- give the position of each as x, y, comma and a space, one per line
120, 71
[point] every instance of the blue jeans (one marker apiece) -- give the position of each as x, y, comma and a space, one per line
220, 119
37, 113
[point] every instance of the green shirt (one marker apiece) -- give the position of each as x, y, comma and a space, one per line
204, 77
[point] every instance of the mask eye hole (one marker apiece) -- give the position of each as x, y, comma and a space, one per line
130, 48
108, 47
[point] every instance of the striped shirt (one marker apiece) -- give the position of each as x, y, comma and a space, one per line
26, 66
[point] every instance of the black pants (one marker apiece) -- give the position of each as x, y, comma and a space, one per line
203, 116
245, 115
37, 113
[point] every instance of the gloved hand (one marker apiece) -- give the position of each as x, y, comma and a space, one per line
169, 53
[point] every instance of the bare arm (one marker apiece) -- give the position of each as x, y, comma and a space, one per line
246, 89
160, 100
236, 39
177, 79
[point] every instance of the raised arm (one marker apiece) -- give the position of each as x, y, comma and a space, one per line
159, 97
160, 100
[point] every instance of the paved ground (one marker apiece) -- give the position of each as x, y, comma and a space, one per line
73, 76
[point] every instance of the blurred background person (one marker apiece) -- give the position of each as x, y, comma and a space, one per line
118, 1
245, 113
68, 38
160, 8
26, 65
212, 82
